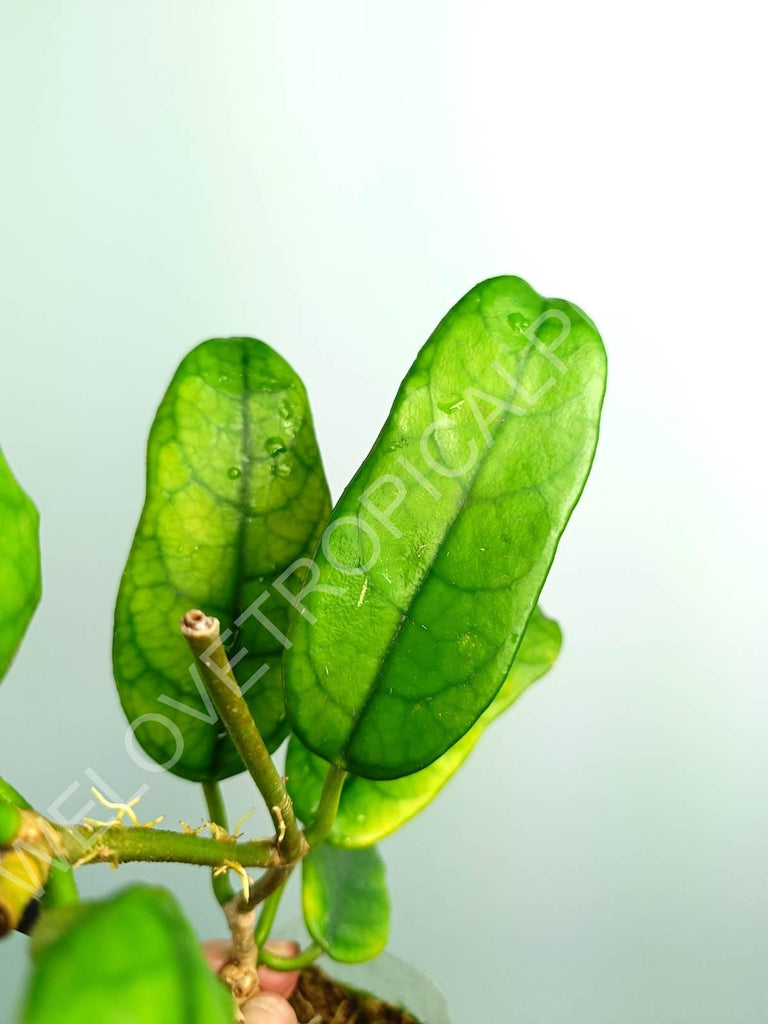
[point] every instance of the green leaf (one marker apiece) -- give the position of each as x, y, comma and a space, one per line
236, 495
370, 810
20, 583
133, 957
7, 792
345, 901
435, 555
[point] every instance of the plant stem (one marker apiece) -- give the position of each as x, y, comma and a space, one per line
328, 807
263, 888
241, 973
217, 813
202, 633
291, 963
119, 844
267, 916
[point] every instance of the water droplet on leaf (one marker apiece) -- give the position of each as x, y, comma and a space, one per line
449, 403
275, 446
518, 322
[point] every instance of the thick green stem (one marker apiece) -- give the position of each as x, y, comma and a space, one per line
267, 916
202, 633
118, 844
217, 813
291, 963
328, 807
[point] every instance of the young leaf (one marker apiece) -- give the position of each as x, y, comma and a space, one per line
434, 557
130, 958
236, 495
20, 584
345, 901
370, 810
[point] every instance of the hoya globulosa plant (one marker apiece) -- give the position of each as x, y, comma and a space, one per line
380, 636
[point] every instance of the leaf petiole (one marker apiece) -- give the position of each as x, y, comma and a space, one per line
291, 963
327, 808
267, 916
217, 812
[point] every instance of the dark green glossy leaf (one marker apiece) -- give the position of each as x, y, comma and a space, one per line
20, 584
236, 494
436, 553
345, 901
369, 809
131, 958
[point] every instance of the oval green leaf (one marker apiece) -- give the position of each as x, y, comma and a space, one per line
345, 902
236, 499
133, 957
369, 809
20, 580
434, 557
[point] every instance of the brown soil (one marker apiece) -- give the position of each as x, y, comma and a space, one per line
318, 999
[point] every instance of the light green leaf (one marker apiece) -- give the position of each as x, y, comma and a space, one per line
345, 902
236, 495
369, 809
435, 555
20, 583
131, 958
12, 795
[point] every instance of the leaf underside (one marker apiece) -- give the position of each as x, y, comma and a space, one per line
435, 555
369, 809
20, 582
346, 902
133, 957
235, 495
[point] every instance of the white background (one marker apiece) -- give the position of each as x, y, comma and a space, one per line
331, 177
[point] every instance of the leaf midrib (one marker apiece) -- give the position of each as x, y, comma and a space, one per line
374, 686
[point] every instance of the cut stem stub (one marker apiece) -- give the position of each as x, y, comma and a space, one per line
203, 634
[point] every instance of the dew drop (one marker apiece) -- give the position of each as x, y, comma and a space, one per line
518, 322
275, 446
450, 403
400, 442
234, 472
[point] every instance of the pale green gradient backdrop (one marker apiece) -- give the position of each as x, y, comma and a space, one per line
331, 178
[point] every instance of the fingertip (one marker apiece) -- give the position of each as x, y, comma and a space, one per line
268, 1008
283, 947
281, 982
217, 952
